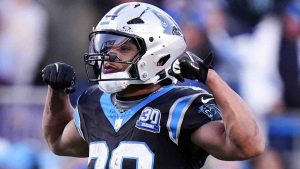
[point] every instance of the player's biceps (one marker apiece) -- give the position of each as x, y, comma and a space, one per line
71, 143
212, 138
208, 131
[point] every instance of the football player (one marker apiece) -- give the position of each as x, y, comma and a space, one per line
135, 116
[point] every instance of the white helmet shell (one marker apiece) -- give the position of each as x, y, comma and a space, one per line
162, 37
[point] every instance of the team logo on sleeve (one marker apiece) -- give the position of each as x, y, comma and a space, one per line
210, 110
149, 120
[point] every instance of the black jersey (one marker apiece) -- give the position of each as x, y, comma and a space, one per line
154, 134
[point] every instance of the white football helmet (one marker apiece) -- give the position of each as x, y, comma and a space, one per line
156, 35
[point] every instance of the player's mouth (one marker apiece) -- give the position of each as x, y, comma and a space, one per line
109, 69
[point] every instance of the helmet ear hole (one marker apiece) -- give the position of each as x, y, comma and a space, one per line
163, 60
133, 71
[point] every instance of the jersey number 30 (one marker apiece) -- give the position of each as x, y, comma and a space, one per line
126, 150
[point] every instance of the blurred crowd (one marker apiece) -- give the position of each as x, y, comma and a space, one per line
257, 48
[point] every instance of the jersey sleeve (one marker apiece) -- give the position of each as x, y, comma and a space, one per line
190, 112
202, 110
80, 111
78, 123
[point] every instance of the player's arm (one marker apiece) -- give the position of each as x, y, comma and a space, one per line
237, 136
59, 128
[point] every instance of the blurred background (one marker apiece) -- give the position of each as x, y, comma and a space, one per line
257, 47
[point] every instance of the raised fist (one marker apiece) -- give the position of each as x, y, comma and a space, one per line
60, 76
190, 66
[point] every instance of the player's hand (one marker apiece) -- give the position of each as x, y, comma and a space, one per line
60, 76
190, 66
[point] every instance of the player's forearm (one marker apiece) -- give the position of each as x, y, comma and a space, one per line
57, 114
240, 126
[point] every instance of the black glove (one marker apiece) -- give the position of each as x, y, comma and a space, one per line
60, 76
190, 66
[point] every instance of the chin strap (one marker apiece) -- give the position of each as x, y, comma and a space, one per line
164, 74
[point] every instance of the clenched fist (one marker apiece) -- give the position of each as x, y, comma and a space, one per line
190, 66
60, 76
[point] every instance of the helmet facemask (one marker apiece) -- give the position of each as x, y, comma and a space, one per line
101, 60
